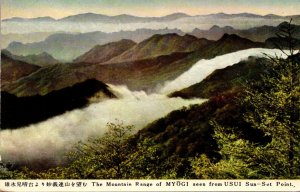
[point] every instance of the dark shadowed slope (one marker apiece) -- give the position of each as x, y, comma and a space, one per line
275, 42
21, 111
12, 70
159, 45
103, 53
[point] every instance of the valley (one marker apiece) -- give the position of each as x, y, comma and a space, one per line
203, 96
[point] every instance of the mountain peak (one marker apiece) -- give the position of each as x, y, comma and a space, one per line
88, 14
161, 45
14, 44
103, 53
190, 36
271, 15
215, 27
179, 14
220, 14
230, 36
165, 35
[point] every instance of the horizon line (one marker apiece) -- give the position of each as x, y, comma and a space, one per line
188, 15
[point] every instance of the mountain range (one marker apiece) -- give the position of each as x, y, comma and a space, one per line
125, 18
93, 17
67, 47
144, 72
6, 39
260, 34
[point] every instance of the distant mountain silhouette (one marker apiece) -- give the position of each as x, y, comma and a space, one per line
103, 53
6, 39
37, 19
255, 34
12, 69
125, 18
21, 111
93, 17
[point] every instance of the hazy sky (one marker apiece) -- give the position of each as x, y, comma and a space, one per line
62, 8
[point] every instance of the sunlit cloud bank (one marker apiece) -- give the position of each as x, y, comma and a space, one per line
205, 67
51, 138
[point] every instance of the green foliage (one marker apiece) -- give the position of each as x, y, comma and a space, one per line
274, 109
103, 157
232, 168
98, 158
271, 106
116, 155
5, 173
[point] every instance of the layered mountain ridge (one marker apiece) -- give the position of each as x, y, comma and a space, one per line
67, 47
140, 70
260, 34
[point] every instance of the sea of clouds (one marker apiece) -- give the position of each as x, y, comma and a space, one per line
185, 24
50, 139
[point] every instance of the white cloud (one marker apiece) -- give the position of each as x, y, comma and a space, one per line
204, 67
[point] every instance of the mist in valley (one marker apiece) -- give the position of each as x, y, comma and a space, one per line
204, 67
50, 139
185, 24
